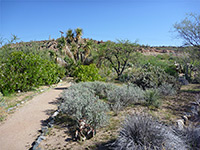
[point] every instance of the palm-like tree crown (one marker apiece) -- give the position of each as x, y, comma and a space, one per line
79, 33
70, 34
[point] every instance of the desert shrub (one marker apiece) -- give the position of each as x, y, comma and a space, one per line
150, 76
86, 73
124, 95
162, 61
23, 72
80, 102
167, 89
118, 97
99, 88
105, 72
32, 47
152, 97
142, 132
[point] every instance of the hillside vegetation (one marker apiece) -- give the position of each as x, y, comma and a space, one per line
110, 79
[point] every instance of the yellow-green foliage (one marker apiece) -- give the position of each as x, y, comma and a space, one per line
87, 73
23, 72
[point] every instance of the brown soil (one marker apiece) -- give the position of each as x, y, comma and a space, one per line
21, 128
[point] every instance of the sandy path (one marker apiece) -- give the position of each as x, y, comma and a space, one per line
21, 129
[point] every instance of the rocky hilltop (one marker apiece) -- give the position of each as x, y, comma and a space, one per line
53, 45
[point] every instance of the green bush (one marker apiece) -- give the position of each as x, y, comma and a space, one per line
150, 76
164, 62
87, 73
23, 72
152, 98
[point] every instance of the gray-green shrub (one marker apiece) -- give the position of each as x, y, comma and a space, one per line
83, 100
100, 88
167, 89
118, 97
80, 102
142, 132
124, 95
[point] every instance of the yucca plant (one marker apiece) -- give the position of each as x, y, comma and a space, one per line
79, 33
70, 35
152, 97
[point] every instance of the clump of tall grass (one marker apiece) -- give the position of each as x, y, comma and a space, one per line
142, 132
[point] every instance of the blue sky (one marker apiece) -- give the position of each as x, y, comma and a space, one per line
149, 21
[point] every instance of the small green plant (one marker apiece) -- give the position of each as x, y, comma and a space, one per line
87, 73
152, 98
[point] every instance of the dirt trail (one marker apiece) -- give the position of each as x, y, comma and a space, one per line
21, 129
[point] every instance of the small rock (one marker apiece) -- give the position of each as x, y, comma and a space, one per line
185, 118
180, 124
45, 130
194, 103
183, 81
9, 109
55, 114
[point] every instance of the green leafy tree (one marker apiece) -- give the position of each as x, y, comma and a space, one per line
118, 54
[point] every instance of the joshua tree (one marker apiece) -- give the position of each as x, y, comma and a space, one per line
70, 35
64, 49
73, 48
79, 33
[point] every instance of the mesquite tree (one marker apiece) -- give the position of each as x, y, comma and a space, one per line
118, 54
